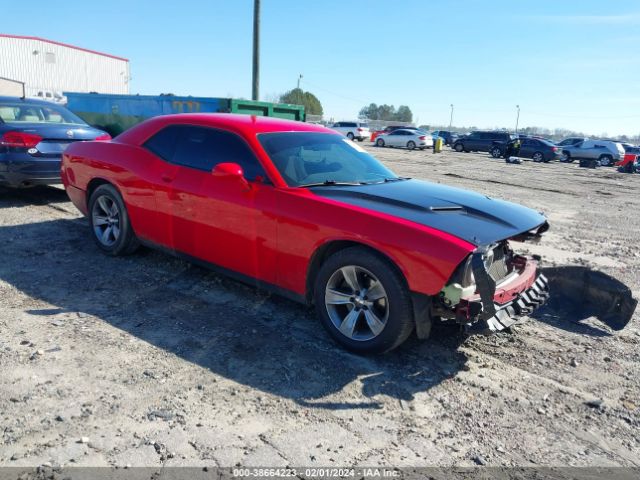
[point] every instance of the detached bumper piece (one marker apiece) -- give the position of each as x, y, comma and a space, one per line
510, 314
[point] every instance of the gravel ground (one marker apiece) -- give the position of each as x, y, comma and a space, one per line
150, 361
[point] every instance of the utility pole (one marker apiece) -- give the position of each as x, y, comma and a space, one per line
451, 117
255, 91
517, 118
299, 78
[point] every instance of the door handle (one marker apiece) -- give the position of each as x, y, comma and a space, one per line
166, 177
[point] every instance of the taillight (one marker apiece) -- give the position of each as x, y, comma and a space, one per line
103, 138
359, 129
555, 149
20, 139
422, 137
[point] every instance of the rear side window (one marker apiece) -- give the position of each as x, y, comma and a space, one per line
203, 148
25, 112
163, 143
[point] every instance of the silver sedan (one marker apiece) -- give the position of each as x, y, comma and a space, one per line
405, 138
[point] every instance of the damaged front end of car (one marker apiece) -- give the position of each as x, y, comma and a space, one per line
494, 287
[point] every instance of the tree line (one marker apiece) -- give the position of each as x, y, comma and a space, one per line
387, 112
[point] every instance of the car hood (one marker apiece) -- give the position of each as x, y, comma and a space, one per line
476, 218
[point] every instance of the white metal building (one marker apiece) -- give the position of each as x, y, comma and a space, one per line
48, 68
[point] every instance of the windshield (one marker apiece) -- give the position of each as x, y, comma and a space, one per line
304, 158
33, 113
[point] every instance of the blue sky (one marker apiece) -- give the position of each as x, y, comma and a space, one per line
567, 64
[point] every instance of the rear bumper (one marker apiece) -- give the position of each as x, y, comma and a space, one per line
22, 170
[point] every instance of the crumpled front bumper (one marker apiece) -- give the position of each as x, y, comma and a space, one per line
510, 314
497, 307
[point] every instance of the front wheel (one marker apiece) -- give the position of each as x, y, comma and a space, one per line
379, 142
363, 301
566, 158
496, 152
110, 223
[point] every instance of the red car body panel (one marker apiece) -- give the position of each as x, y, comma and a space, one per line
628, 158
266, 232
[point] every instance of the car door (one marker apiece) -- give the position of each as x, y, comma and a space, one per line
527, 148
395, 138
590, 149
219, 220
472, 142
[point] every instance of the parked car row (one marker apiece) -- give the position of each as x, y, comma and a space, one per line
499, 144
587, 152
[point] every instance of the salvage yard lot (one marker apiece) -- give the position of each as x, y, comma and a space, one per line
148, 360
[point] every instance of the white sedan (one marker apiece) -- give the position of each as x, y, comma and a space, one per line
405, 138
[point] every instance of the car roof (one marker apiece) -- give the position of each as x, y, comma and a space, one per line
246, 125
28, 101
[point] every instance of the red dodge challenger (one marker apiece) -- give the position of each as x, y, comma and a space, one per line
300, 210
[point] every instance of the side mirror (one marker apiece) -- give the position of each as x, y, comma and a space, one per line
232, 172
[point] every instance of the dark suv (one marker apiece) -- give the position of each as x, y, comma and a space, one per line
481, 141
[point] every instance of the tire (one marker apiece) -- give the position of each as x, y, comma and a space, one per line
411, 144
566, 157
110, 225
496, 152
350, 136
606, 160
458, 147
538, 157
347, 274
379, 142
361, 140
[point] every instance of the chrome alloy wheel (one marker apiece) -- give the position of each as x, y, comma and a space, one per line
105, 218
357, 303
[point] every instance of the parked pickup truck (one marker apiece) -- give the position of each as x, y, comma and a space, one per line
606, 152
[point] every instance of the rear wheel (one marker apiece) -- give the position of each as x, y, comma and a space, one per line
411, 144
606, 160
110, 223
538, 157
363, 301
350, 136
379, 142
458, 147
